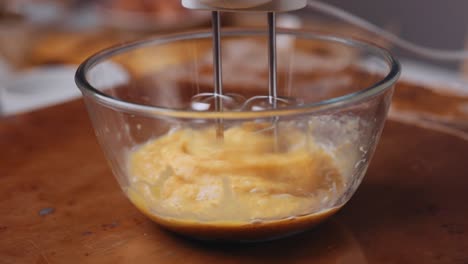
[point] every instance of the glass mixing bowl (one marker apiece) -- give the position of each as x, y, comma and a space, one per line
252, 171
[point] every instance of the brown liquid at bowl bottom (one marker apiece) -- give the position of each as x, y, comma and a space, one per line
241, 231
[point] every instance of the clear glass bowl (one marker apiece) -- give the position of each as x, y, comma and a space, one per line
251, 171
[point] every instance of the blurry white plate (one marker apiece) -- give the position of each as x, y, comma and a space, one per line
39, 87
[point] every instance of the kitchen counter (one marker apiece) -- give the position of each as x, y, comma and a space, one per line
59, 202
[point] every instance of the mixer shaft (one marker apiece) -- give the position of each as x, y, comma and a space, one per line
217, 70
272, 64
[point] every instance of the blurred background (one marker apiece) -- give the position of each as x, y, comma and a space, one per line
43, 41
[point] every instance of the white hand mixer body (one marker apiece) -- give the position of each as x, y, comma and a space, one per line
246, 5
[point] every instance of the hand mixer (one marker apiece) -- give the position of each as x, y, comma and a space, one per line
271, 7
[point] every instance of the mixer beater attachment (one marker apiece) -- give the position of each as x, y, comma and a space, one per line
271, 7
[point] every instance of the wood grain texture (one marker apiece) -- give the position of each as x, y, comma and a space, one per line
59, 203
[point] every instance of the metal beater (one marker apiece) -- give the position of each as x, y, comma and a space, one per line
271, 7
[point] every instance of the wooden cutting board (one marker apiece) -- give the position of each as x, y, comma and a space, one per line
59, 203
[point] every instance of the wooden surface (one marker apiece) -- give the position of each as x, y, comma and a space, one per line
59, 203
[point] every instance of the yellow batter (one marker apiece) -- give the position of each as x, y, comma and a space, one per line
191, 175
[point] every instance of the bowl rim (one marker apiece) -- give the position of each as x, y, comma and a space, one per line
330, 104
